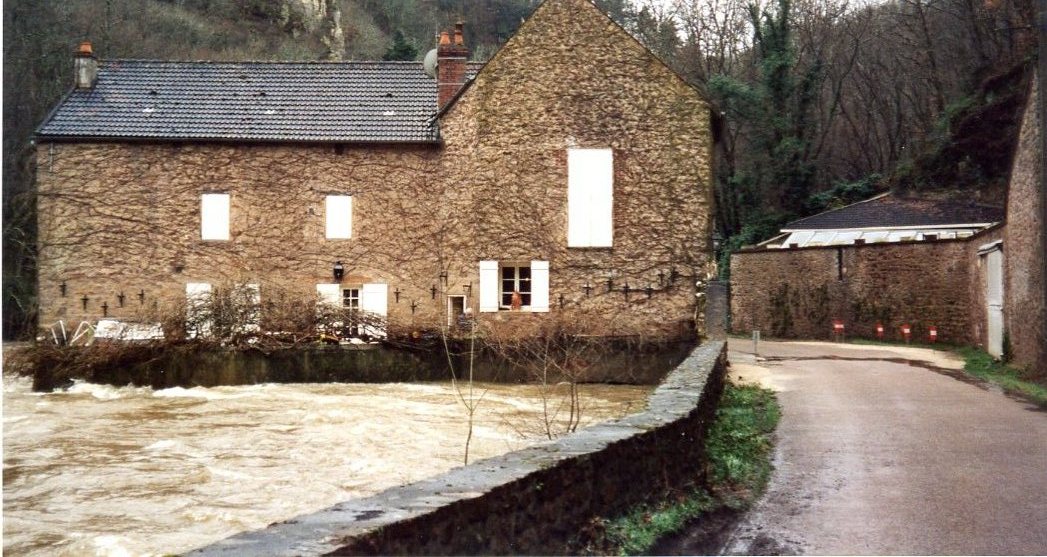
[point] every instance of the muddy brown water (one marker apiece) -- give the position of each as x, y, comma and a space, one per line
100, 470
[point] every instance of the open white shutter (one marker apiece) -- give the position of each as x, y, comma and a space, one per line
338, 212
253, 299
590, 198
374, 298
329, 294
488, 286
197, 308
214, 216
540, 286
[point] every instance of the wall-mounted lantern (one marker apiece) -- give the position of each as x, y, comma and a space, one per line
397, 294
338, 270
120, 299
61, 288
84, 301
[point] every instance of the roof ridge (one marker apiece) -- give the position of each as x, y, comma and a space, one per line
873, 198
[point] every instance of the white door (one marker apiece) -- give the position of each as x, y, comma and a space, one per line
994, 301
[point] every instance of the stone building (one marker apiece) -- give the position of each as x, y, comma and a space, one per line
984, 289
573, 168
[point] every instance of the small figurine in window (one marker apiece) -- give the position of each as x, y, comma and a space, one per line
516, 301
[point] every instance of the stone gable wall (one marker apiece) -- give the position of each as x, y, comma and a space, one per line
123, 218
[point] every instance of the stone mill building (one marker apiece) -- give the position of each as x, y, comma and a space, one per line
573, 169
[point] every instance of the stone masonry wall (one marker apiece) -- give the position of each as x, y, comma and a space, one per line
123, 218
1024, 245
528, 502
796, 293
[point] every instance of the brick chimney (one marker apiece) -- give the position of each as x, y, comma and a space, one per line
451, 55
85, 66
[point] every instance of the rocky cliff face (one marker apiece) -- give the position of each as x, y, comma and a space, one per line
322, 17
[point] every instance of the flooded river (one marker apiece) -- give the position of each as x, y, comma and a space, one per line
99, 470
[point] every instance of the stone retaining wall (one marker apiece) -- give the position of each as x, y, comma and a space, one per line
531, 501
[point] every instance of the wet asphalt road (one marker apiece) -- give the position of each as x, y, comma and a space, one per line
878, 456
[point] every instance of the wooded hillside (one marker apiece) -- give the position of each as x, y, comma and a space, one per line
821, 102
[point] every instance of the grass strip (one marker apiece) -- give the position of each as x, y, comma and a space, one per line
738, 453
1009, 378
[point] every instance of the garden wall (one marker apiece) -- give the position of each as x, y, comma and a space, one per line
532, 501
797, 293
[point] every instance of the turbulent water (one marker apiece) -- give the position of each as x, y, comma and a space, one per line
99, 470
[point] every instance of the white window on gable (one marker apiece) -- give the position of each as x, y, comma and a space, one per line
590, 198
499, 282
214, 216
338, 213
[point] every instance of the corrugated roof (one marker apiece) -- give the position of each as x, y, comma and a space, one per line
340, 102
890, 211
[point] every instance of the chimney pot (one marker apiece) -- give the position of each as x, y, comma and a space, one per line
85, 66
451, 55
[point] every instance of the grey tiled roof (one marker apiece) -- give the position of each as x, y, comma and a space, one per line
251, 101
891, 211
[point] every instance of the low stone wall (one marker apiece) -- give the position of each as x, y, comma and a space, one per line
531, 501
797, 293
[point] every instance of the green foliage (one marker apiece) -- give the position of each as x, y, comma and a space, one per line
1011, 379
757, 228
738, 445
400, 49
738, 460
844, 193
637, 532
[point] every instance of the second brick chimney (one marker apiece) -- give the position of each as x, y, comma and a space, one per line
451, 55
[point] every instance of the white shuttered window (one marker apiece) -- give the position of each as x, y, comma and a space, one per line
590, 198
488, 286
374, 298
214, 216
330, 294
540, 286
198, 309
338, 211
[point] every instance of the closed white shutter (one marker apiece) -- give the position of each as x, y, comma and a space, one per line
374, 299
338, 212
252, 296
488, 286
329, 294
590, 198
214, 216
540, 286
197, 309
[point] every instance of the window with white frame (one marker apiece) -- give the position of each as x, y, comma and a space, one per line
338, 215
214, 216
351, 300
498, 281
516, 279
590, 198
